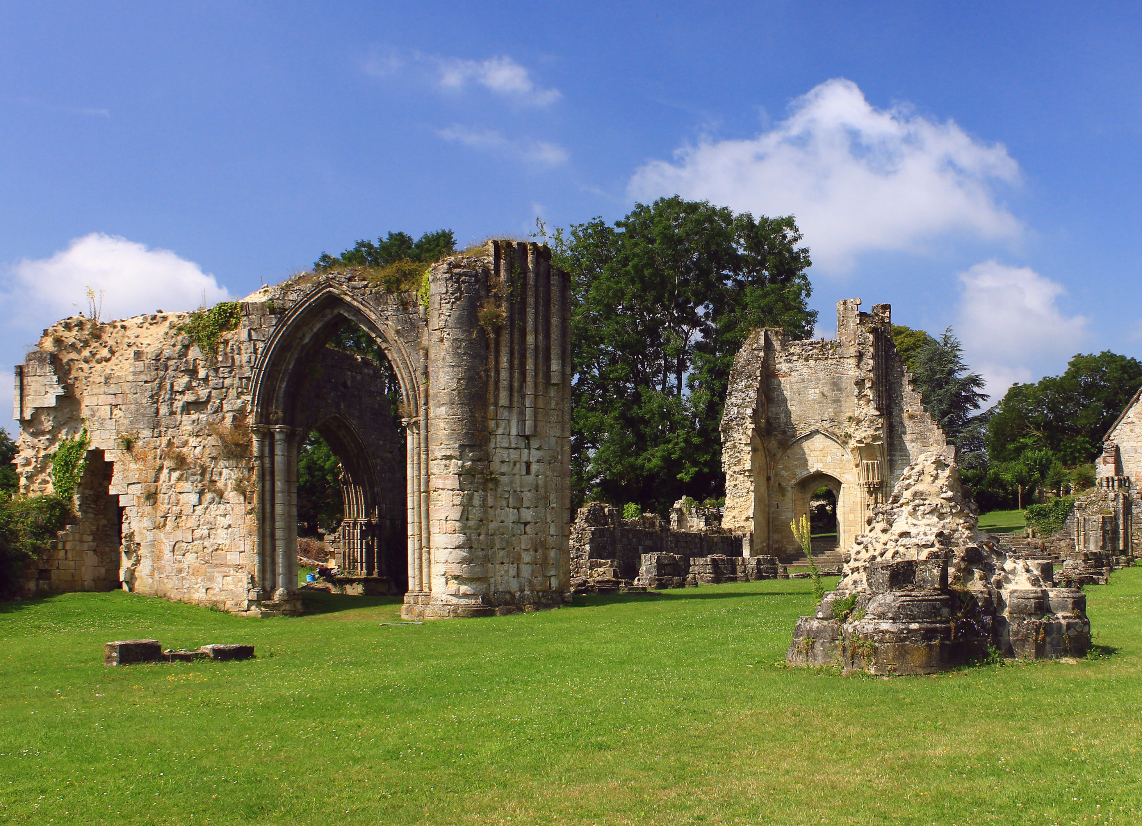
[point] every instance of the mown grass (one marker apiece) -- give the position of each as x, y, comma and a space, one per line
625, 709
1003, 521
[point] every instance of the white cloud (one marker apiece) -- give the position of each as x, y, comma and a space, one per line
500, 75
533, 152
1011, 326
35, 293
133, 278
858, 179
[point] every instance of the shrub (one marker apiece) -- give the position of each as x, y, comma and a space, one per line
314, 549
207, 326
27, 525
1050, 517
1082, 477
631, 510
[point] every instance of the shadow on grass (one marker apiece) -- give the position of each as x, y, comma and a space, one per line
1097, 650
590, 600
323, 602
14, 605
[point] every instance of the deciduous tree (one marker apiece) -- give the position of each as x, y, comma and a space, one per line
664, 299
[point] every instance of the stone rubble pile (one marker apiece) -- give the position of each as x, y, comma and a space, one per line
926, 590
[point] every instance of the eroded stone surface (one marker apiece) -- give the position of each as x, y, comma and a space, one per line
926, 590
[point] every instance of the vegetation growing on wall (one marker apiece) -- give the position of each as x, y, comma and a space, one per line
67, 465
207, 326
1050, 517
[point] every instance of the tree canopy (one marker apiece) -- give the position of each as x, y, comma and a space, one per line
8, 450
951, 393
1069, 415
320, 502
664, 299
396, 247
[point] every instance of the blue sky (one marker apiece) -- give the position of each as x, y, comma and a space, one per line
974, 165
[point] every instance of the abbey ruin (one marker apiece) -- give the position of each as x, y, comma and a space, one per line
462, 502
802, 415
190, 486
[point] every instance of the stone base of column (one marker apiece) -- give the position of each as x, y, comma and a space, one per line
288, 604
420, 606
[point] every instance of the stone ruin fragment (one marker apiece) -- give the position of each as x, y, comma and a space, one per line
609, 553
925, 590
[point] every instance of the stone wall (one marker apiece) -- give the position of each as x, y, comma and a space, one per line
609, 552
805, 414
203, 446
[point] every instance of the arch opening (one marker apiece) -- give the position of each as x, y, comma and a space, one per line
338, 424
820, 496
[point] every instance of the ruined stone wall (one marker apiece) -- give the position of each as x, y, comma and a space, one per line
805, 414
204, 445
1122, 449
609, 551
85, 555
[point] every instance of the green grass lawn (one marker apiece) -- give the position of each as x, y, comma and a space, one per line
665, 708
1003, 521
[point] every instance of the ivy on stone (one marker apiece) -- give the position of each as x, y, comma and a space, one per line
1050, 517
68, 463
207, 326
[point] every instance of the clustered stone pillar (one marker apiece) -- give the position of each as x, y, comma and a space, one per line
275, 451
494, 439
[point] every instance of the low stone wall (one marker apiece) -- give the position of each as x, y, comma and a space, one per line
610, 552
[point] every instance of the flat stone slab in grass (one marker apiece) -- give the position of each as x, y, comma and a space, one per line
183, 656
127, 652
228, 652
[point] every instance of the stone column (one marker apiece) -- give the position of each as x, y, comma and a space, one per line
263, 538
282, 497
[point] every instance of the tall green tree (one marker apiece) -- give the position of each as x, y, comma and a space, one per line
1067, 414
950, 391
664, 299
320, 503
909, 343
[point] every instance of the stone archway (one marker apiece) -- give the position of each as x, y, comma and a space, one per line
803, 494
203, 429
301, 386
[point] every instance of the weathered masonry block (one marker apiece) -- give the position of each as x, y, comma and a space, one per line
802, 415
190, 487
